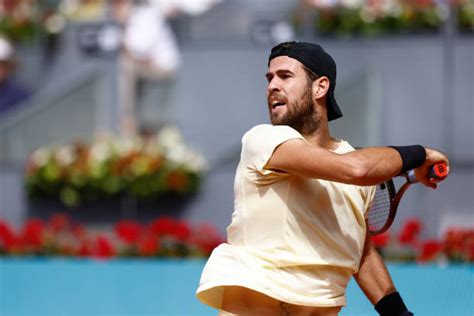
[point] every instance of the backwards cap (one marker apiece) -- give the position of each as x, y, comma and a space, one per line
318, 61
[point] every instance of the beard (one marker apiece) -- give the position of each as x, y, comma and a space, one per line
300, 115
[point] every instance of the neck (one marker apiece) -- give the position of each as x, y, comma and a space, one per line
321, 137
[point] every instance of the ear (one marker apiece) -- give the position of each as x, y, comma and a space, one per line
320, 87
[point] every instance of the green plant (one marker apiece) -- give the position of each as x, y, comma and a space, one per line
109, 167
373, 18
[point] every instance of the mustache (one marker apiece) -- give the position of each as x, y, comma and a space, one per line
276, 96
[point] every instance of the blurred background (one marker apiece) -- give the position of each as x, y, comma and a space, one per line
120, 130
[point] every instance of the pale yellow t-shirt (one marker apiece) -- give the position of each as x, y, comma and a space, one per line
296, 239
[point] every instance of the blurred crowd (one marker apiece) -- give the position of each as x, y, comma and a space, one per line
137, 32
11, 91
140, 34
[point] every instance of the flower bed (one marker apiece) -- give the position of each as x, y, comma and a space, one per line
369, 18
456, 245
141, 168
166, 237
59, 236
23, 20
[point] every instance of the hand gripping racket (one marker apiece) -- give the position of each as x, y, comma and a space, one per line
384, 206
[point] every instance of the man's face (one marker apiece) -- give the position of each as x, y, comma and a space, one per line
289, 95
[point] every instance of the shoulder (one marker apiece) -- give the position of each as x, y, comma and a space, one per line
258, 129
270, 131
260, 141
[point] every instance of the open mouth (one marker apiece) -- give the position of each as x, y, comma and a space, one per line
276, 104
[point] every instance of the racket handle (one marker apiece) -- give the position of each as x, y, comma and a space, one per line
437, 171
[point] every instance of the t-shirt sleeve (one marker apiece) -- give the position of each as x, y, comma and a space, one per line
258, 145
369, 197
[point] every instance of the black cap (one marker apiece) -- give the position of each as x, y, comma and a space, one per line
318, 61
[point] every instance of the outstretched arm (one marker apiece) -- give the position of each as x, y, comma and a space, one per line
374, 280
368, 166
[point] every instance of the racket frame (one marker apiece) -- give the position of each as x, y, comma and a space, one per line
438, 171
395, 198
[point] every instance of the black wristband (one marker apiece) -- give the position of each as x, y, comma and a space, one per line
392, 305
412, 156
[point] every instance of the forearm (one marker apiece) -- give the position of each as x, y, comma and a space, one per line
373, 277
368, 166
375, 281
376, 164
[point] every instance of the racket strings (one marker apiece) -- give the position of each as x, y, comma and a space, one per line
380, 209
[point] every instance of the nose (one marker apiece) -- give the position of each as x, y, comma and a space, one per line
273, 86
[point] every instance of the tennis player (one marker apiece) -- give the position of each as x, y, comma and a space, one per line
298, 230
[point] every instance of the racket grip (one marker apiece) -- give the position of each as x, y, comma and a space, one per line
437, 171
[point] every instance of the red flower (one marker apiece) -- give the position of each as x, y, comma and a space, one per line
6, 233
429, 250
453, 242
103, 248
32, 233
410, 232
73, 239
128, 231
469, 254
413, 226
59, 222
8, 241
85, 249
406, 239
459, 244
380, 240
78, 231
5, 228
163, 226
182, 231
206, 238
169, 227
148, 245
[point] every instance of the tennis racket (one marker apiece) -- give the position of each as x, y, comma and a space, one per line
384, 206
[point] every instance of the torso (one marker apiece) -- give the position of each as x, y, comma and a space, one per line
242, 301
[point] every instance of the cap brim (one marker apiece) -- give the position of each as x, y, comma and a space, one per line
334, 112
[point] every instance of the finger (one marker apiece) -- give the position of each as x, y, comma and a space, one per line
429, 184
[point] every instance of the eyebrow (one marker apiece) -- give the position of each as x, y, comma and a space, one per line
269, 75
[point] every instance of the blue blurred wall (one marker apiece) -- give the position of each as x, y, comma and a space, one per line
166, 288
